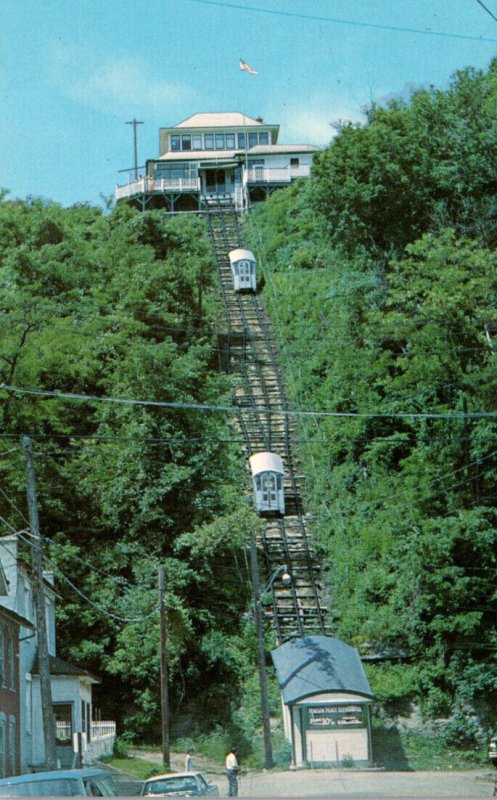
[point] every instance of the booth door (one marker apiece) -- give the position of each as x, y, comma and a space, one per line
245, 274
269, 491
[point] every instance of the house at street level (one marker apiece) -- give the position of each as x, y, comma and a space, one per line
216, 154
21, 720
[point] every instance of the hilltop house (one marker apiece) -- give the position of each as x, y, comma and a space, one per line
71, 685
216, 154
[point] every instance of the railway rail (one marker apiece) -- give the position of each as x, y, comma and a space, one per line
247, 348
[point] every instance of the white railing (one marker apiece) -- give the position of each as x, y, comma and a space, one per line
98, 730
278, 174
149, 185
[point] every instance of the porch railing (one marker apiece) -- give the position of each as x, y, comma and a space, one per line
150, 185
277, 174
98, 730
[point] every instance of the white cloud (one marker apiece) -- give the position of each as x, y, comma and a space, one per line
313, 122
114, 84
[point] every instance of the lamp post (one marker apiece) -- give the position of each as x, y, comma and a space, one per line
261, 650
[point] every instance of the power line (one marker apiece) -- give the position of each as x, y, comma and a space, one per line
87, 599
337, 21
486, 9
236, 409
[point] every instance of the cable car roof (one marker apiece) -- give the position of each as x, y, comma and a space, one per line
266, 462
239, 253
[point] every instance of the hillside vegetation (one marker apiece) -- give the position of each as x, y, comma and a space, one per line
381, 278
121, 305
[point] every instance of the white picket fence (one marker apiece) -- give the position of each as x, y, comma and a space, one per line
99, 730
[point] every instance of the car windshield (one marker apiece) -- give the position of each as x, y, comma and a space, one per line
180, 784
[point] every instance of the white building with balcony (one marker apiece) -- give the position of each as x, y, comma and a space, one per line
216, 154
71, 685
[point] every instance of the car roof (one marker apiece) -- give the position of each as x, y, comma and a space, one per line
86, 772
172, 775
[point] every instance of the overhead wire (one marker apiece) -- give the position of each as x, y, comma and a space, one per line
338, 21
101, 609
490, 13
235, 409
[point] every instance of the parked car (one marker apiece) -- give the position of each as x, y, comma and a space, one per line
492, 750
87, 782
183, 784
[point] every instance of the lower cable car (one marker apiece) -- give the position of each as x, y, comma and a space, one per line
267, 479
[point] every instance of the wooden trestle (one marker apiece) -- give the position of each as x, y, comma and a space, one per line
248, 349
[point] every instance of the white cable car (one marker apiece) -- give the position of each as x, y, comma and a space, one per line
243, 269
267, 478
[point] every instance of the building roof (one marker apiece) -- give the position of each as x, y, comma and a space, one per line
230, 119
317, 664
62, 668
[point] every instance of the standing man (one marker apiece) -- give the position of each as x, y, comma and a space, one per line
189, 762
232, 772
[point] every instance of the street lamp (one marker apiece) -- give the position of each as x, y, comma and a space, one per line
261, 650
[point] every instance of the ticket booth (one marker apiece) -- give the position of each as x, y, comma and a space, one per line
326, 702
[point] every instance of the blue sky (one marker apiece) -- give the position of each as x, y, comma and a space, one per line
72, 72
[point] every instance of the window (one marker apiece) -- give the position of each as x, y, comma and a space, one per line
264, 137
230, 141
3, 732
252, 139
175, 172
209, 141
3, 664
219, 141
12, 746
12, 664
186, 142
28, 703
241, 140
175, 142
196, 142
294, 162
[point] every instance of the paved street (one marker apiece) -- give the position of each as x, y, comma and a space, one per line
355, 784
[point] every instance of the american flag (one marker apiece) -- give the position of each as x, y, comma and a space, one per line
244, 66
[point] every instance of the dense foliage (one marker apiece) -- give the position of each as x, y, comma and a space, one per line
381, 277
121, 305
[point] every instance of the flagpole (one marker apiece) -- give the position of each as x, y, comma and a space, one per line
246, 68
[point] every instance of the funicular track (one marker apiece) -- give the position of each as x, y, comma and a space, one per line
247, 349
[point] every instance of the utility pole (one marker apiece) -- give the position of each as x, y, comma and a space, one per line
41, 623
261, 656
164, 690
134, 122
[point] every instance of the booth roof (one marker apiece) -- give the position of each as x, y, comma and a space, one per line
317, 664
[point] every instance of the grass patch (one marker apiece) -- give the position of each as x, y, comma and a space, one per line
137, 767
